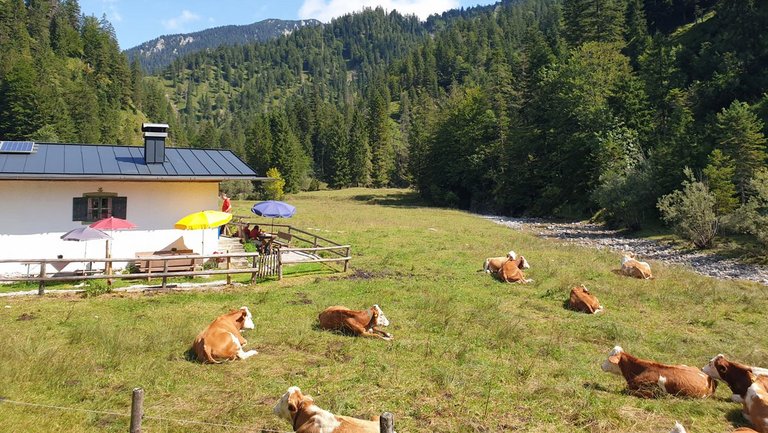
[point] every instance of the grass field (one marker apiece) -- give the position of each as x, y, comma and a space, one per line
470, 354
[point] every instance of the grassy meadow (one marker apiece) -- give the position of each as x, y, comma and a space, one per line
470, 354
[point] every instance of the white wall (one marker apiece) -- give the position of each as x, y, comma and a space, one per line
34, 214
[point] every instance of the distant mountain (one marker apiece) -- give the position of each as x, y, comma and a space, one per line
160, 52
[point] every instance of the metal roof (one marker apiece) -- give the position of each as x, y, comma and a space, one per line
108, 162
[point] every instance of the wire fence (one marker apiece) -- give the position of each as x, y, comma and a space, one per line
144, 416
137, 413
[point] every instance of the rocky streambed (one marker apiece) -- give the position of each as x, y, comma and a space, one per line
597, 236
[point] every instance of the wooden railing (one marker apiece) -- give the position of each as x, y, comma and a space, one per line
260, 266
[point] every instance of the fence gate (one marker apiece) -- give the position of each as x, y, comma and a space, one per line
266, 265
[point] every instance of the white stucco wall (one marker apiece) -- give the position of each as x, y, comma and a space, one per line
34, 214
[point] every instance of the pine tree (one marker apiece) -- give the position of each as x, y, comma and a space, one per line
359, 151
718, 175
738, 132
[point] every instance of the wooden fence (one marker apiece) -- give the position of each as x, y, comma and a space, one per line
260, 266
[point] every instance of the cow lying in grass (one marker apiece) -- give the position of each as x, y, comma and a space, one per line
583, 300
306, 417
633, 268
493, 264
512, 271
680, 429
649, 379
756, 403
221, 340
357, 322
735, 375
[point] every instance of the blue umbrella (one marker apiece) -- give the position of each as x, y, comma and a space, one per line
273, 209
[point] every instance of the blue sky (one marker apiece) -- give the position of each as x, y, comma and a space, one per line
137, 21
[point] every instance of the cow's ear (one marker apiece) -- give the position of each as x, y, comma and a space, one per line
721, 368
614, 359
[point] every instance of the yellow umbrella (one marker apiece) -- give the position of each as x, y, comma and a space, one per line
206, 219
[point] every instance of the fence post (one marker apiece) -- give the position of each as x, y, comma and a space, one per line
253, 274
387, 423
41, 285
346, 261
137, 410
279, 265
165, 272
229, 276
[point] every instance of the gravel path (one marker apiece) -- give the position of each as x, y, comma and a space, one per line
596, 236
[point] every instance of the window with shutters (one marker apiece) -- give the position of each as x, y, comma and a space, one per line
99, 205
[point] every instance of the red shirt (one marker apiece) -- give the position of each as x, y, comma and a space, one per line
226, 206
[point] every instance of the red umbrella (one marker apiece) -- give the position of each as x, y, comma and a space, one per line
112, 223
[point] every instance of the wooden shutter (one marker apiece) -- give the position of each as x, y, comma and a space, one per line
119, 207
80, 209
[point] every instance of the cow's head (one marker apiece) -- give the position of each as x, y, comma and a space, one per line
378, 316
627, 257
512, 255
290, 403
245, 319
717, 367
524, 263
611, 365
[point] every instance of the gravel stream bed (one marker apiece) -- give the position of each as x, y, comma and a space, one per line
597, 236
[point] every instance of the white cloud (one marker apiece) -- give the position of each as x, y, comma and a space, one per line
325, 10
179, 23
109, 8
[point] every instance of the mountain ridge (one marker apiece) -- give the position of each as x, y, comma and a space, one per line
157, 53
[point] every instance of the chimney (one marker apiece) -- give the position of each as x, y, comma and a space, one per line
154, 142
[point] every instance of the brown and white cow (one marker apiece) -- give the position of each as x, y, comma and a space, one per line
680, 429
734, 374
756, 403
358, 322
306, 417
633, 268
649, 379
221, 340
493, 264
583, 300
512, 271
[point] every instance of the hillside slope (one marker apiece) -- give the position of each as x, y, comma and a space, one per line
160, 52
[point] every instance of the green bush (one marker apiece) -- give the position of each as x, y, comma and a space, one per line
625, 196
96, 288
691, 211
752, 217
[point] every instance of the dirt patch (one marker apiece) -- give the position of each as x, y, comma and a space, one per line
303, 299
26, 316
598, 237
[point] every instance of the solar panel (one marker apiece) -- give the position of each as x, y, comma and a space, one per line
17, 146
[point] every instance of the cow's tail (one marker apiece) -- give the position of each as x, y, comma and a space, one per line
208, 355
485, 266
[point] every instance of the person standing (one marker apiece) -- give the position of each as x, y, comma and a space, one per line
226, 206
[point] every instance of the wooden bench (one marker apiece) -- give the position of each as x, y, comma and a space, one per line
282, 236
145, 261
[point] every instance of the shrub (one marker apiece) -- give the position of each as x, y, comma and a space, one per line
273, 190
752, 217
625, 196
96, 288
691, 211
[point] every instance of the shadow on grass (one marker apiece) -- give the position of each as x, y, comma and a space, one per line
735, 417
407, 200
595, 386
